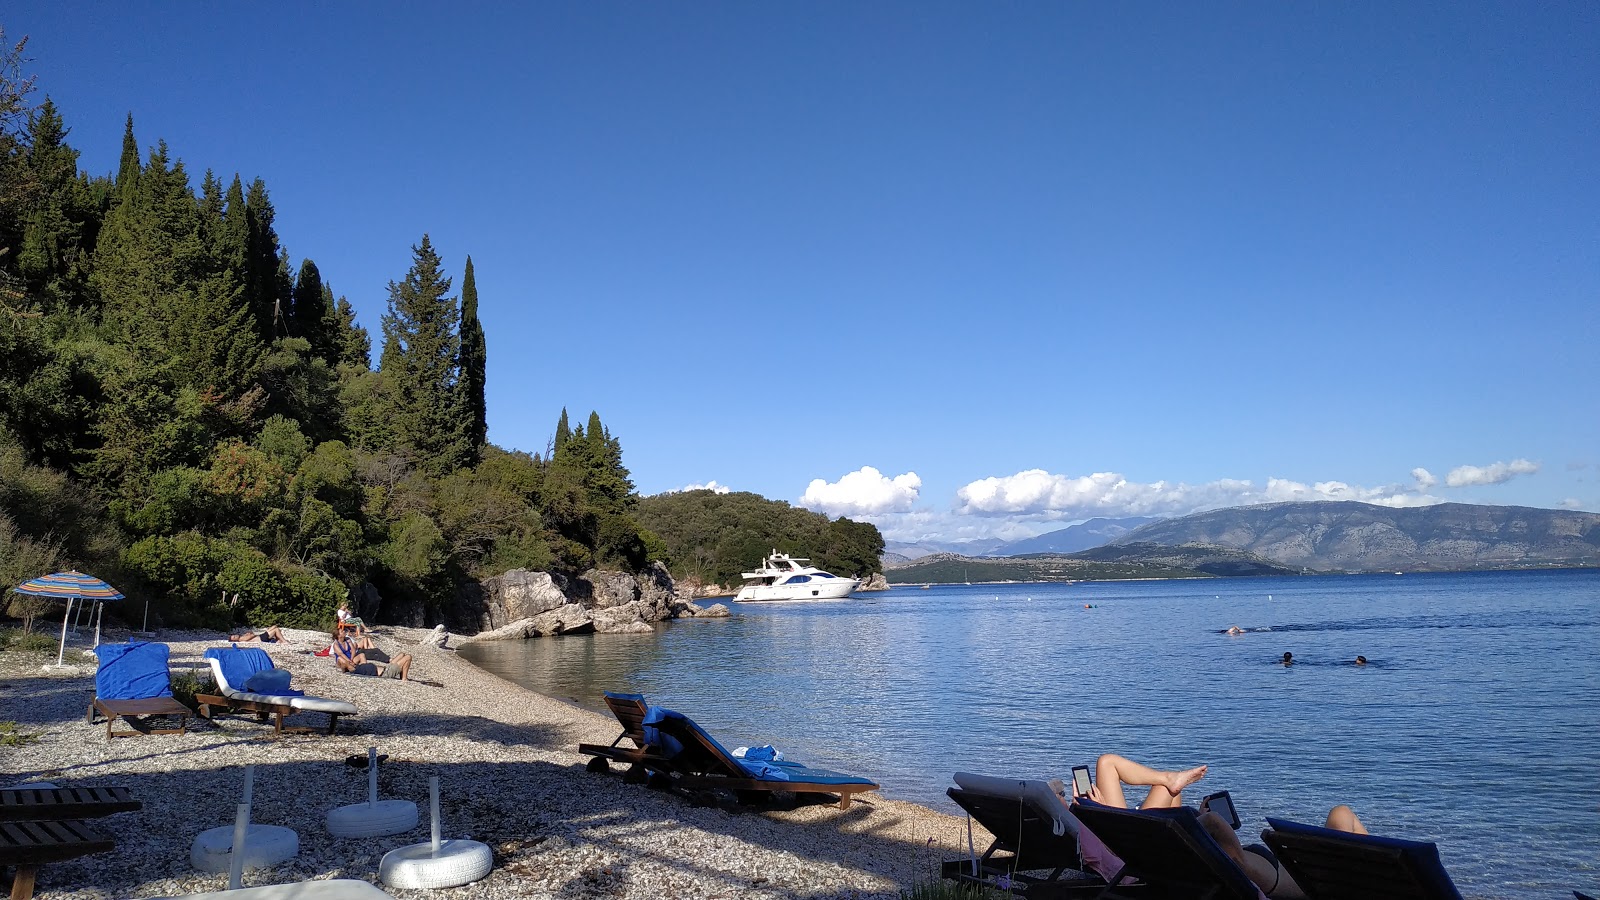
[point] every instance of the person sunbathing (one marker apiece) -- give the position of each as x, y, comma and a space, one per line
1166, 791
1258, 863
272, 635
349, 659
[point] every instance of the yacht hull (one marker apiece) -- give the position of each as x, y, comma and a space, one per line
811, 590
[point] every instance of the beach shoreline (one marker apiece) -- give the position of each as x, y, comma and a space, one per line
511, 777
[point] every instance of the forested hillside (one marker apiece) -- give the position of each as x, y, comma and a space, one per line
191, 412
710, 538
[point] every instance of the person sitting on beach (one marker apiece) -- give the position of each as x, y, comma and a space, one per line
272, 635
350, 621
1166, 791
349, 659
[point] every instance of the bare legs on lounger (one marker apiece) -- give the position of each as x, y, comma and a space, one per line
1166, 788
1272, 879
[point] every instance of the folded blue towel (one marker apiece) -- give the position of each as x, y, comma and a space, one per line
766, 771
765, 753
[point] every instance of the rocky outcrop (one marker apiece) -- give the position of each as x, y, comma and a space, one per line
873, 582
694, 589
521, 604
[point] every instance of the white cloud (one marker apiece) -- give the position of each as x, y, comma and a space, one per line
711, 486
1038, 494
1425, 479
864, 492
1571, 503
1498, 473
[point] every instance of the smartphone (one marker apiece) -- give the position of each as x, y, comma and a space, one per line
1080, 781
1221, 803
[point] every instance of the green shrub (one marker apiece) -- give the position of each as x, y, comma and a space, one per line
945, 889
27, 641
186, 684
11, 737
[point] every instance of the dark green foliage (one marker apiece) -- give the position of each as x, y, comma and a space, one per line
420, 363
713, 537
474, 361
351, 345
128, 167
309, 314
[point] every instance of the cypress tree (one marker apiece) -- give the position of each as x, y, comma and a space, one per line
563, 434
420, 362
474, 359
263, 280
309, 311
233, 243
128, 167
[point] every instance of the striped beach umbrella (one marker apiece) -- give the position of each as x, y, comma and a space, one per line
70, 586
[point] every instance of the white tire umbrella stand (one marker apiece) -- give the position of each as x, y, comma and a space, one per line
374, 818
439, 863
234, 848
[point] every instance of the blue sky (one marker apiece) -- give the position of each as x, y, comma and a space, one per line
962, 269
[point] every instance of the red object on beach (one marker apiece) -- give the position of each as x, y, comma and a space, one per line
322, 652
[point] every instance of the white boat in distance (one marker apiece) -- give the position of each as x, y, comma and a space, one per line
785, 577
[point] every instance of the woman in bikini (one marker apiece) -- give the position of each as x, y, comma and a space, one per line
349, 659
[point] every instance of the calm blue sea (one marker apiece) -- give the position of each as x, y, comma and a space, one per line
1476, 723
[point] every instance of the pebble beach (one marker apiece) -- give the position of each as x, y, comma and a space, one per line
510, 777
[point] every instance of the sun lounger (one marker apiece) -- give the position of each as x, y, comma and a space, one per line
132, 682
1033, 832
1168, 850
232, 668
699, 763
1338, 865
630, 711
48, 804
29, 845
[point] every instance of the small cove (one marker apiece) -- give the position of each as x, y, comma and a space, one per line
1475, 723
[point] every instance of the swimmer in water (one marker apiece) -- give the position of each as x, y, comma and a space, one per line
1234, 629
1361, 660
1288, 658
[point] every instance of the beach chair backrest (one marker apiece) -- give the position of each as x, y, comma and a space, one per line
1337, 865
233, 666
1019, 828
691, 748
1168, 848
133, 671
630, 711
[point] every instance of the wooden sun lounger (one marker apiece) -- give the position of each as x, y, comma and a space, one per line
1168, 850
134, 710
630, 711
210, 704
29, 845
705, 765
50, 804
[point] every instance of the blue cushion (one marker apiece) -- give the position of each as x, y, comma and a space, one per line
239, 663
269, 681
136, 670
788, 770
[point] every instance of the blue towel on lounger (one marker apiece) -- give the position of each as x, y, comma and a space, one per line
239, 663
136, 670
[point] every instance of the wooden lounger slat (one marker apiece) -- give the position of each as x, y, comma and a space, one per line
17, 804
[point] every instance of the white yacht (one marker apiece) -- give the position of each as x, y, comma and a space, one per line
785, 577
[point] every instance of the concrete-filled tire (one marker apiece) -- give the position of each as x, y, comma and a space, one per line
362, 820
417, 866
264, 847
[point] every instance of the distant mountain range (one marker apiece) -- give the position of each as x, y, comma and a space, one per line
1082, 536
1347, 536
1281, 538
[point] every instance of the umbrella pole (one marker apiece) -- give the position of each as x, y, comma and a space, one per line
146, 616
99, 614
62, 653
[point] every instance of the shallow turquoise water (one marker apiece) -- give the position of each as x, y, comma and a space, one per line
1476, 724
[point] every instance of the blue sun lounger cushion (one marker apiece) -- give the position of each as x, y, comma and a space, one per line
240, 665
133, 671
660, 723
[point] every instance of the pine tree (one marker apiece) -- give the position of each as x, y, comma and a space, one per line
420, 362
233, 242
55, 226
351, 345
474, 359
